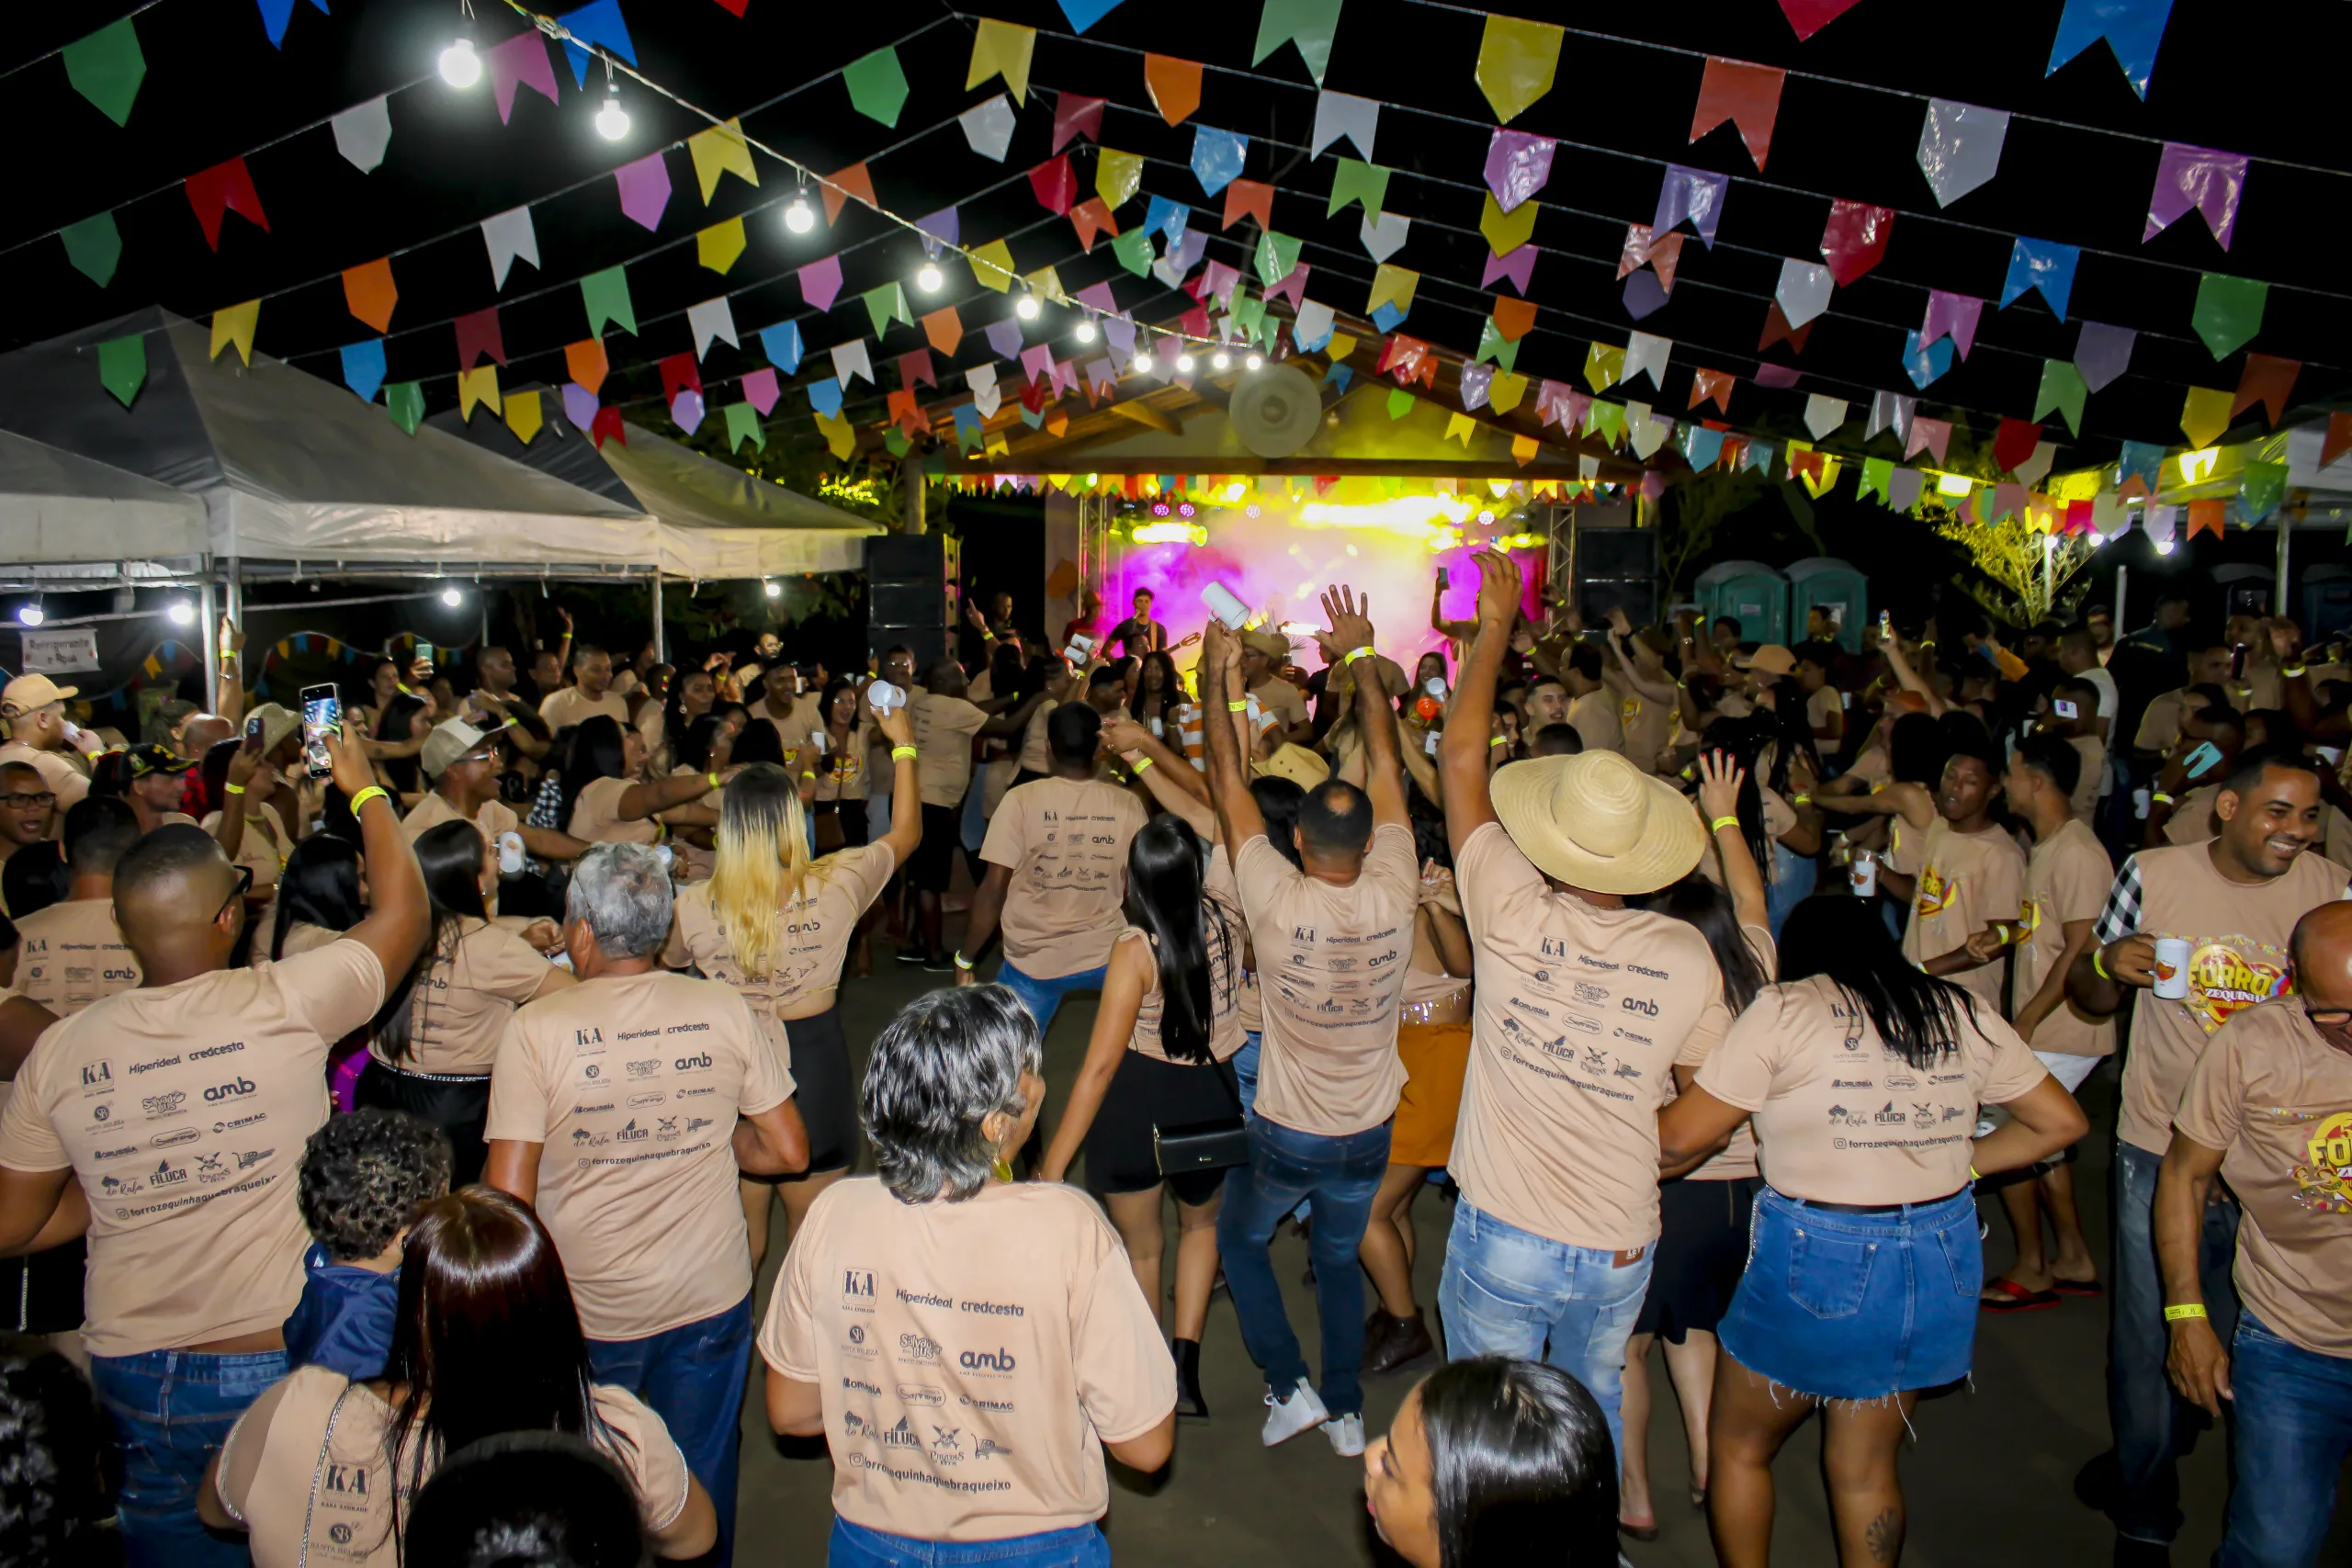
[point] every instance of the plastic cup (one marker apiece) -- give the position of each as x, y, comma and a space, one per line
2171, 968
1865, 874
1226, 606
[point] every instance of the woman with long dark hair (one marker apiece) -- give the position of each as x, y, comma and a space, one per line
1776, 756
844, 733
1164, 1034
1495, 1463
776, 926
601, 805
1704, 1216
399, 735
322, 895
1905, 796
440, 1031
1162, 705
1865, 1078
487, 1342
688, 698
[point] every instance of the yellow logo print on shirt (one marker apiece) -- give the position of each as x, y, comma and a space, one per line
2029, 914
1631, 711
2324, 1186
2228, 974
1937, 892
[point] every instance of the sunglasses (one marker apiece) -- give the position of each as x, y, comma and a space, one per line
244, 886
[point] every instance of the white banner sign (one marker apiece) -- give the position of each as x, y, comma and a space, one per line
60, 652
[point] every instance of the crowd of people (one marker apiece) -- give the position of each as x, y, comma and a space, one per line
395, 1150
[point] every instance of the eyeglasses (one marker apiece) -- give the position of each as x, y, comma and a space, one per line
2327, 1018
28, 801
244, 886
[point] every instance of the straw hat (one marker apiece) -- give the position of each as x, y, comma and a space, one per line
1273, 645
1596, 821
1300, 766
1769, 659
277, 722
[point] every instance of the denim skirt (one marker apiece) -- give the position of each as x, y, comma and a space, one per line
1858, 1306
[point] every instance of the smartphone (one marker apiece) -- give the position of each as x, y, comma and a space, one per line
2205, 757
321, 717
2063, 708
252, 736
1441, 582
2237, 660
1886, 623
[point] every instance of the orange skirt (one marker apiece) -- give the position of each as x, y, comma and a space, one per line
1435, 1057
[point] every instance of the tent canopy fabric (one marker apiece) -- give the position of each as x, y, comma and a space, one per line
716, 520
56, 506
289, 467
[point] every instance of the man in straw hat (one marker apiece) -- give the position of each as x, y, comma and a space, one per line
1332, 933
1264, 655
42, 738
1589, 1014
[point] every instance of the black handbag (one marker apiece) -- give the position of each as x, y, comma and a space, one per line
1214, 1144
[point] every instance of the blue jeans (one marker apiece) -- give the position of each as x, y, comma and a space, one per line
1342, 1175
692, 1376
170, 1410
1245, 1070
854, 1546
1507, 1291
1044, 997
2153, 1426
1793, 877
2294, 1426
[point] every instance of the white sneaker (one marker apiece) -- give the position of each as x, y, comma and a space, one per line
1345, 1433
1286, 1418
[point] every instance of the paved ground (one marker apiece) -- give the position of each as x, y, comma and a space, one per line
1989, 1480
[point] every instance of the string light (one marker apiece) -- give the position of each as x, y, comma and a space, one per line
1027, 307
930, 279
452, 597
2164, 548
774, 589
798, 217
612, 120
1143, 363
181, 612
1252, 363
1085, 333
460, 65
30, 614
1183, 364
1221, 360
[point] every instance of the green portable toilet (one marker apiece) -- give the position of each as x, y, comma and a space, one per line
1827, 583
1751, 594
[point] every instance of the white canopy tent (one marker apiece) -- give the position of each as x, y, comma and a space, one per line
55, 506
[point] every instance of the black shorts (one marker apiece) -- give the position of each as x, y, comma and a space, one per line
851, 816
932, 866
824, 1091
42, 1293
1146, 1091
1701, 1251
458, 1106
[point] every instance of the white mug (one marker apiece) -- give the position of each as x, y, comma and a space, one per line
2171, 968
510, 854
884, 697
1865, 874
1226, 606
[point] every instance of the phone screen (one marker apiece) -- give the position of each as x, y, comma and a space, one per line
252, 736
2202, 760
1441, 581
321, 717
2237, 660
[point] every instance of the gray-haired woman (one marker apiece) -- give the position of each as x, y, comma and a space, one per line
969, 1346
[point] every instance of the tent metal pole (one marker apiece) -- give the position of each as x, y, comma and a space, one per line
2281, 602
208, 621
917, 494
2122, 580
661, 654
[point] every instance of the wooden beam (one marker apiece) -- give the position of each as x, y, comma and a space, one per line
1611, 471
1145, 414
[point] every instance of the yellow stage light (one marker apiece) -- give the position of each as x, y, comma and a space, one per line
1954, 484
2198, 465
1172, 533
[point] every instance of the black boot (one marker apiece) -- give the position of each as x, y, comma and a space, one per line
1399, 1341
1190, 1402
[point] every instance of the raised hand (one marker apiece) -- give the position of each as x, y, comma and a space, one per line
1350, 621
1499, 585
1719, 782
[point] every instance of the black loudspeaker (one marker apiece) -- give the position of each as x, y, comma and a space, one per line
910, 580
1617, 568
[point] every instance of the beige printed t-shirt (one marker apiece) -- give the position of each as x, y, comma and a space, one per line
2276, 1099
1277, 695
264, 847
1036, 756
1648, 724
72, 954
2192, 820
1594, 716
1331, 972
183, 1110
309, 1454
569, 706
818, 925
973, 1357
841, 770
2237, 957
1738, 1159
494, 818
458, 1010
944, 727
1065, 842
1840, 1117
1825, 710
596, 820
2066, 878
1967, 881
1225, 933
632, 1084
2093, 756
1579, 1018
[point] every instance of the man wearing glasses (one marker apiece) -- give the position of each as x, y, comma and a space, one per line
38, 735
2269, 1109
2233, 900
169, 1119
27, 808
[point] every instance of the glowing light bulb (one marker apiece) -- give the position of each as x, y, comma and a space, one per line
1183, 364
452, 597
2164, 548
1253, 362
1027, 307
930, 279
798, 217
612, 120
1954, 484
29, 614
774, 589
1220, 360
1143, 363
1085, 331
2098, 538
181, 612
460, 65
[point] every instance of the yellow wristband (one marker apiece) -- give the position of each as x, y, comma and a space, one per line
1139, 764
2161, 798
807, 772
234, 788
902, 753
1720, 823
2183, 1310
1973, 1176
1355, 654
373, 791
2292, 671
963, 963
1801, 800
1242, 706
2098, 964
712, 780
1497, 740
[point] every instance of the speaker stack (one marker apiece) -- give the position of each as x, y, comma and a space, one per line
909, 592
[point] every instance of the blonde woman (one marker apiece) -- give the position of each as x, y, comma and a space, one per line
775, 925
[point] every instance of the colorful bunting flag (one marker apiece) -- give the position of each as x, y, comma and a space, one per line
224, 188
363, 367
1925, 363
362, 132
720, 245
1352, 180
762, 389
521, 61
2101, 353
1174, 85
1854, 239
2228, 312
1960, 147
479, 337
1514, 318
1954, 316
605, 296
820, 282
1383, 236
107, 67
1517, 61
711, 320
1930, 435
1517, 165
1054, 182
510, 237
877, 86
1218, 157
721, 150
781, 344
1747, 96
1306, 22
122, 366
234, 324
404, 402
478, 385
523, 415
2132, 28
2062, 391
1001, 48
2044, 265
644, 186
370, 293
1075, 116
839, 186
1693, 196
598, 22
850, 361
1506, 232
94, 247
991, 266
886, 304
1343, 114
585, 363
2266, 380
2200, 179
1809, 16
1645, 355
1804, 291
743, 424
1716, 384
987, 128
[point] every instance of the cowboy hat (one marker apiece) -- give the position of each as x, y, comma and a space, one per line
1769, 659
1595, 821
1273, 645
1300, 766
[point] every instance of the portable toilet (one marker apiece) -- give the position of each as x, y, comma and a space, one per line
1751, 594
1825, 582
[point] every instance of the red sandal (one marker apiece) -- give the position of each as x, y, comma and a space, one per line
2019, 1297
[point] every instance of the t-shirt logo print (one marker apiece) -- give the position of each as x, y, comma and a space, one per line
2229, 974
2324, 1186
1936, 891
